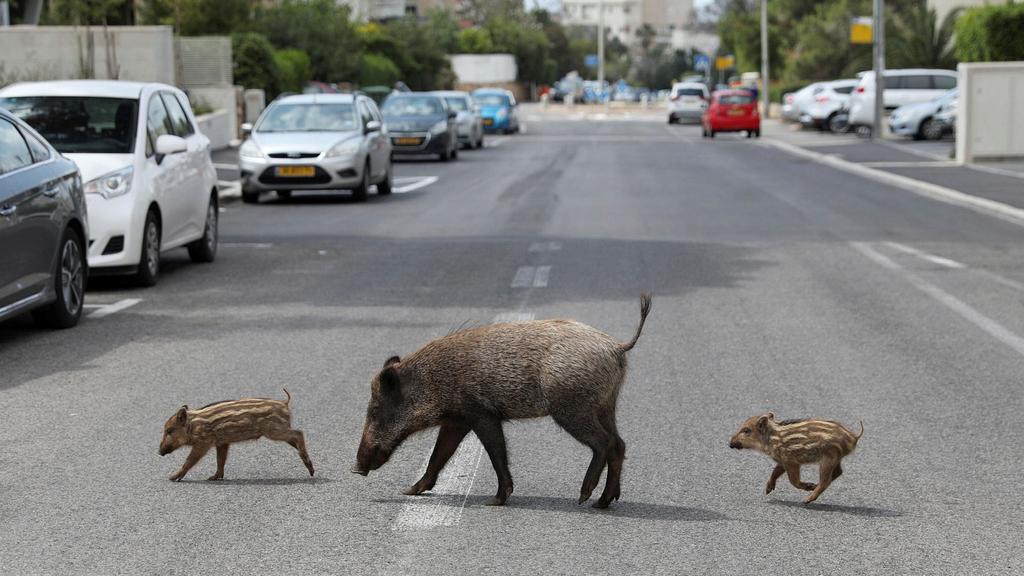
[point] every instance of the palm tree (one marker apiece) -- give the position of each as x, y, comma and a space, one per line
918, 43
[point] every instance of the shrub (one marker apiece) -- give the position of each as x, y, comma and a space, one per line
377, 70
295, 69
254, 63
475, 41
991, 34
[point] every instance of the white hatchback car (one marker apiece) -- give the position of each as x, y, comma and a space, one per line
687, 101
150, 183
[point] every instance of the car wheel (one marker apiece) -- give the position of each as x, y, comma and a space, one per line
250, 197
384, 186
205, 249
359, 192
711, 133
757, 133
931, 130
455, 151
68, 284
284, 193
446, 155
750, 133
149, 261
837, 124
480, 141
671, 120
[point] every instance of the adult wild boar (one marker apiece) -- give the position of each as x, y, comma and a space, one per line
475, 379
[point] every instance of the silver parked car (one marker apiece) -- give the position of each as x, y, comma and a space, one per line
468, 122
317, 142
925, 120
43, 229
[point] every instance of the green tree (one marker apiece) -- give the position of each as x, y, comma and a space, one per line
254, 63
475, 41
991, 34
378, 70
198, 17
320, 28
294, 68
921, 42
420, 53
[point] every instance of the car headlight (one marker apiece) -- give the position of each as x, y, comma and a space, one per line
249, 149
111, 185
439, 128
345, 148
502, 113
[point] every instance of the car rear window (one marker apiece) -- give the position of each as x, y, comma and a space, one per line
412, 106
491, 99
843, 89
76, 124
689, 92
917, 82
457, 103
735, 99
944, 82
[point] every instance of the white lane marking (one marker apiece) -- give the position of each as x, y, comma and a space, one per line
545, 247
922, 164
223, 166
108, 309
948, 263
995, 170
414, 183
999, 210
246, 245
522, 128
523, 277
912, 149
993, 328
321, 252
455, 482
540, 279
493, 143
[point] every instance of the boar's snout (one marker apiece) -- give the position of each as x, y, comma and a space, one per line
735, 445
370, 457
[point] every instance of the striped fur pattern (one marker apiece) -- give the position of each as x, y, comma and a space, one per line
793, 443
221, 424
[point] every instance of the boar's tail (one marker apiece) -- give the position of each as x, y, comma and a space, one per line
288, 400
645, 309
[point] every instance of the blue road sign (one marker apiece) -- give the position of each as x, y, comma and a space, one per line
701, 62
590, 60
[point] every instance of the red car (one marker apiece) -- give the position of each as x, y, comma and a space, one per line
732, 111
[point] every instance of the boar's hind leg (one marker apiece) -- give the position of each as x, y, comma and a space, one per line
222, 458
493, 438
297, 441
616, 456
448, 439
587, 429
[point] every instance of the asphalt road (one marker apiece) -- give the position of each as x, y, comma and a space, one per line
780, 284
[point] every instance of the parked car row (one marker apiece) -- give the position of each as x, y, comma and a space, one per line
329, 141
98, 177
922, 103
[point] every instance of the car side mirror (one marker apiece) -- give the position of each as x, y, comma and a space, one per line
371, 126
246, 129
169, 144
452, 114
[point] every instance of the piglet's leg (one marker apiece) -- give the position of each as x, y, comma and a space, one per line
297, 441
193, 458
793, 471
776, 473
825, 478
222, 458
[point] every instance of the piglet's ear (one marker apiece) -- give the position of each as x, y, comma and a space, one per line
762, 424
182, 414
771, 416
390, 383
392, 360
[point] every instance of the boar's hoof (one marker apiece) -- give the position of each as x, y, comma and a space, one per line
416, 489
495, 501
601, 504
216, 477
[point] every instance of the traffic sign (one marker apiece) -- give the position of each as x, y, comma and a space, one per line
590, 60
725, 62
701, 62
860, 30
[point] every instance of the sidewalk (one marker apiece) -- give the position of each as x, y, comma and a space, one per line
929, 164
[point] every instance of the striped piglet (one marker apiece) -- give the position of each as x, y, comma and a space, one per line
793, 443
223, 423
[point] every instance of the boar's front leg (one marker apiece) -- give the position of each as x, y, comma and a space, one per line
448, 440
488, 430
193, 458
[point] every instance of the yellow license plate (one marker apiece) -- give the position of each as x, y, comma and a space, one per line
408, 141
295, 171
736, 112
488, 121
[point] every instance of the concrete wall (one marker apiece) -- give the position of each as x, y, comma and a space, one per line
217, 127
143, 53
220, 98
990, 114
484, 68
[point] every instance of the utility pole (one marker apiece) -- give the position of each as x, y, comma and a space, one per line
878, 35
600, 44
765, 97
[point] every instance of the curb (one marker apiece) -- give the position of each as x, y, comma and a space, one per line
985, 206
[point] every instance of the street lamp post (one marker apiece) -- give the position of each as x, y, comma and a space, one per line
600, 44
765, 97
878, 35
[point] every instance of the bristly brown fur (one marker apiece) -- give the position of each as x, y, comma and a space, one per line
223, 423
792, 443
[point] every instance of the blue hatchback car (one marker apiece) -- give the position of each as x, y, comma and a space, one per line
498, 109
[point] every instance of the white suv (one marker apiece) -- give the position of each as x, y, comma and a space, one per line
828, 101
902, 87
687, 101
150, 185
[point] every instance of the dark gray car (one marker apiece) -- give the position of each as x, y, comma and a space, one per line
43, 224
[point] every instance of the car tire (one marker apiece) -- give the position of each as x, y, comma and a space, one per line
711, 133
836, 125
480, 141
250, 197
284, 194
204, 250
385, 186
671, 120
446, 155
930, 130
149, 260
68, 284
757, 133
750, 133
455, 151
359, 193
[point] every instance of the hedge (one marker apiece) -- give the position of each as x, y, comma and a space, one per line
991, 34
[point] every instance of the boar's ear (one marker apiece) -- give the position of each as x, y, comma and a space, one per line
389, 381
392, 360
182, 414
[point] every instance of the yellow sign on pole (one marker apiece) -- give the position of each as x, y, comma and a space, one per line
725, 62
860, 31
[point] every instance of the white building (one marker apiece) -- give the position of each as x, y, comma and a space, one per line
623, 18
942, 7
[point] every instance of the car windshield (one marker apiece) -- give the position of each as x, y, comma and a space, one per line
338, 117
457, 103
77, 125
491, 100
735, 99
412, 106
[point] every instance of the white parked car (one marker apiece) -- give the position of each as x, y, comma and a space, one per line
150, 185
827, 102
902, 87
688, 101
793, 104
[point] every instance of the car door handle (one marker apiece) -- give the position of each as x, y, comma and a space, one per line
8, 211
52, 191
